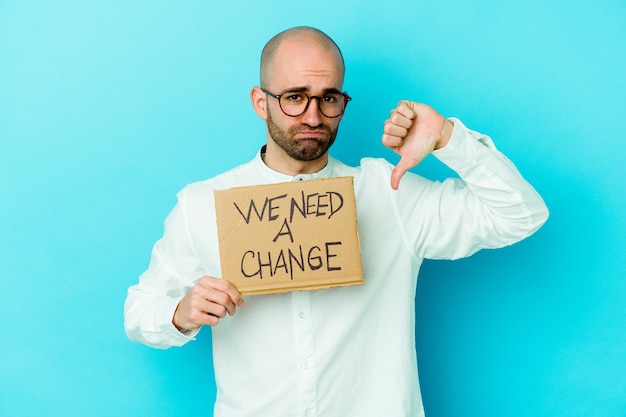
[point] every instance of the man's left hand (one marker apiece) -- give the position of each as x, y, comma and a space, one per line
414, 130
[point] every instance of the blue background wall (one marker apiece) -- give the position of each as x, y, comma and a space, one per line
108, 108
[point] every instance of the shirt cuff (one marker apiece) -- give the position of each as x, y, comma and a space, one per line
177, 338
464, 145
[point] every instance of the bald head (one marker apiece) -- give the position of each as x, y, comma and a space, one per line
304, 35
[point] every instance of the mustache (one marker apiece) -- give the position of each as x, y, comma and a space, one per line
309, 129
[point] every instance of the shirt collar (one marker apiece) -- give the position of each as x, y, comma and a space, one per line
271, 176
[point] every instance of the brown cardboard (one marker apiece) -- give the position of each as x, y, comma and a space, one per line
290, 236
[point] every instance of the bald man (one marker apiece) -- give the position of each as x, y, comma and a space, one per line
346, 351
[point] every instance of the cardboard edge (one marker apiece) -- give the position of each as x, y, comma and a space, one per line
274, 290
358, 279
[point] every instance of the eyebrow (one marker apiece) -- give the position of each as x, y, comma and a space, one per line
331, 90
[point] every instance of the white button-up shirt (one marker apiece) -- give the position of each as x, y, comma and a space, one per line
347, 351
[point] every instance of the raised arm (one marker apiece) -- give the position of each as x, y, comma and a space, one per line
490, 206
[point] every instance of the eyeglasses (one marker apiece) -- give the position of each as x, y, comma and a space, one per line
295, 103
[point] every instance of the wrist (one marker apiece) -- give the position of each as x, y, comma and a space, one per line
446, 134
179, 326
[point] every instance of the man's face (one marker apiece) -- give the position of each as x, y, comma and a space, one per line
299, 140
314, 70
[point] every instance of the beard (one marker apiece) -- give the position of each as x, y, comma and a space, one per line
305, 148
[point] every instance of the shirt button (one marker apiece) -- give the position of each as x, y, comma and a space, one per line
308, 414
305, 365
302, 315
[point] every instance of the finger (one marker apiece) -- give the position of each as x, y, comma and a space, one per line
235, 295
191, 312
203, 315
394, 129
218, 304
398, 119
222, 285
392, 142
393, 135
222, 297
228, 288
400, 169
398, 172
405, 108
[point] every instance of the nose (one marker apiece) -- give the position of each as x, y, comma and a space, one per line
312, 116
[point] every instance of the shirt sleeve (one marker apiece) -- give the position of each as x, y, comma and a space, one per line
173, 270
490, 206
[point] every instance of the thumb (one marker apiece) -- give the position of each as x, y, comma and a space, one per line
398, 172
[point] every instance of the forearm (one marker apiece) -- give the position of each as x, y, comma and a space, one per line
148, 320
151, 303
514, 206
491, 206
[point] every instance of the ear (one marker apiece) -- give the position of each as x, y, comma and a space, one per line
259, 102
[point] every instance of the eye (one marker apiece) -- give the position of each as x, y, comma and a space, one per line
294, 98
330, 98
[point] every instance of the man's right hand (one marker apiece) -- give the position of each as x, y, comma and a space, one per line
206, 303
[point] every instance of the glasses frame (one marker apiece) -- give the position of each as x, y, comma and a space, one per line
345, 95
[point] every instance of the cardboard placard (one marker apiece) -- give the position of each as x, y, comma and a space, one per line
289, 236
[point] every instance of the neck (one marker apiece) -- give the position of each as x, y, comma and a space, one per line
279, 161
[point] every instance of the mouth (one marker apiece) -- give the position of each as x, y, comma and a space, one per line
311, 134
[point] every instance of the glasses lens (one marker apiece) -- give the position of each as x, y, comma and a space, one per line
331, 105
294, 104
